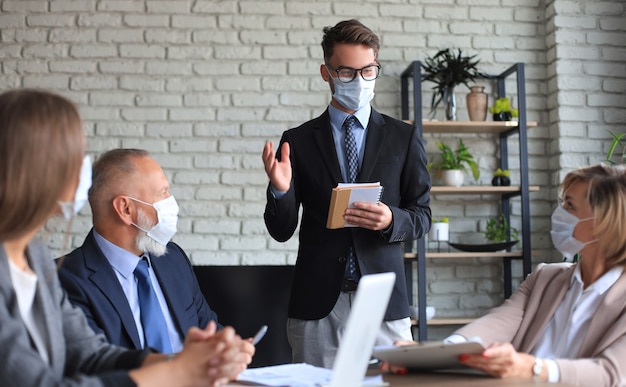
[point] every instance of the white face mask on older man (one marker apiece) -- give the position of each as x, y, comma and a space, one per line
167, 215
562, 233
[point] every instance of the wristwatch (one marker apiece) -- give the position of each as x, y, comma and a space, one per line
537, 368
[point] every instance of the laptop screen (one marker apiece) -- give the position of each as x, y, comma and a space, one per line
364, 321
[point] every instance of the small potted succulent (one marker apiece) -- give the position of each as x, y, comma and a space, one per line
501, 178
454, 163
502, 110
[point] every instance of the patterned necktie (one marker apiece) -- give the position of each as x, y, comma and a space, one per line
154, 327
352, 157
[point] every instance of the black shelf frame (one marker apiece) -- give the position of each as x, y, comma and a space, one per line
413, 73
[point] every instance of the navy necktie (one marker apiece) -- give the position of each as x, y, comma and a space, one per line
352, 158
154, 327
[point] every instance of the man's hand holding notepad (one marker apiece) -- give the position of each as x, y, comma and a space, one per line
343, 197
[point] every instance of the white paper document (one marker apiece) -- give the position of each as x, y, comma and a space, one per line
296, 375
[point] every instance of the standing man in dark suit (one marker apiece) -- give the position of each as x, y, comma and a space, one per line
350, 141
134, 217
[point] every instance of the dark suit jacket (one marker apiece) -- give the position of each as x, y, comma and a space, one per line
91, 284
395, 156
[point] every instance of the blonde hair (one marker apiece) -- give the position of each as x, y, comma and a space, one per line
606, 194
41, 151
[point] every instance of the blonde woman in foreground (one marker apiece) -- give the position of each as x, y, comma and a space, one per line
46, 341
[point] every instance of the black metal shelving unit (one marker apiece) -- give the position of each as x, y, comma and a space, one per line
414, 74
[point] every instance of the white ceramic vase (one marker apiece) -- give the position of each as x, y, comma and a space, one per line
439, 231
452, 177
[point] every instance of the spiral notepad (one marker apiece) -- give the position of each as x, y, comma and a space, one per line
344, 195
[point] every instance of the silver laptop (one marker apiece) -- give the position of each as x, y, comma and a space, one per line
364, 321
355, 348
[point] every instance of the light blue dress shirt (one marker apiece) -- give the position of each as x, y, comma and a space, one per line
124, 264
337, 117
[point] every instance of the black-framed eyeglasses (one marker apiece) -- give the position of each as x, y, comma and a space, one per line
347, 74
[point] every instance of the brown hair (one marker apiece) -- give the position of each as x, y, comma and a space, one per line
41, 150
348, 32
111, 168
606, 195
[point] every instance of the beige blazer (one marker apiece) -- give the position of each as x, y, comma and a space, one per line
521, 320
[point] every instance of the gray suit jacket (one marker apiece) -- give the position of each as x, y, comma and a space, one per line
522, 319
75, 350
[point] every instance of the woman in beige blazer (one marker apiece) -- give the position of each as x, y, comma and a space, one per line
567, 322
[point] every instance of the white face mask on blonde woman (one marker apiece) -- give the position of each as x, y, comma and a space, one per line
69, 209
562, 233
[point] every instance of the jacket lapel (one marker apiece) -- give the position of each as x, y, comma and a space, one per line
323, 134
176, 300
376, 134
373, 144
46, 306
601, 330
104, 278
557, 286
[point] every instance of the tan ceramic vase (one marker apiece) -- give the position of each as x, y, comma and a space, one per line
477, 103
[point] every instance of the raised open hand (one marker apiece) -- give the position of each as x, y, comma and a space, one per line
279, 172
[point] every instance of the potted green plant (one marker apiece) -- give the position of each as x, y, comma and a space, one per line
439, 230
448, 70
501, 178
502, 110
498, 230
452, 164
618, 140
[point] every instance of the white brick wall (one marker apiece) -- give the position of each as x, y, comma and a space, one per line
203, 84
587, 85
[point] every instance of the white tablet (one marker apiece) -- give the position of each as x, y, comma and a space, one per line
428, 356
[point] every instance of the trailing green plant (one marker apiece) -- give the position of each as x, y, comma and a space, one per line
461, 159
503, 105
447, 70
498, 230
618, 140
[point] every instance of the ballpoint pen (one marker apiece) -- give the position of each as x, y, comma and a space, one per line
259, 335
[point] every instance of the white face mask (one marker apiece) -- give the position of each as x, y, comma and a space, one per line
70, 209
167, 215
562, 233
354, 95
143, 241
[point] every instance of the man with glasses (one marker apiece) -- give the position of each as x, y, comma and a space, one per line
349, 142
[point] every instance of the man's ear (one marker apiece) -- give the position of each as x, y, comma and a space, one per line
324, 73
123, 209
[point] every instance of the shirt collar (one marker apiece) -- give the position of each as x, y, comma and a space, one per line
121, 260
337, 117
602, 284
